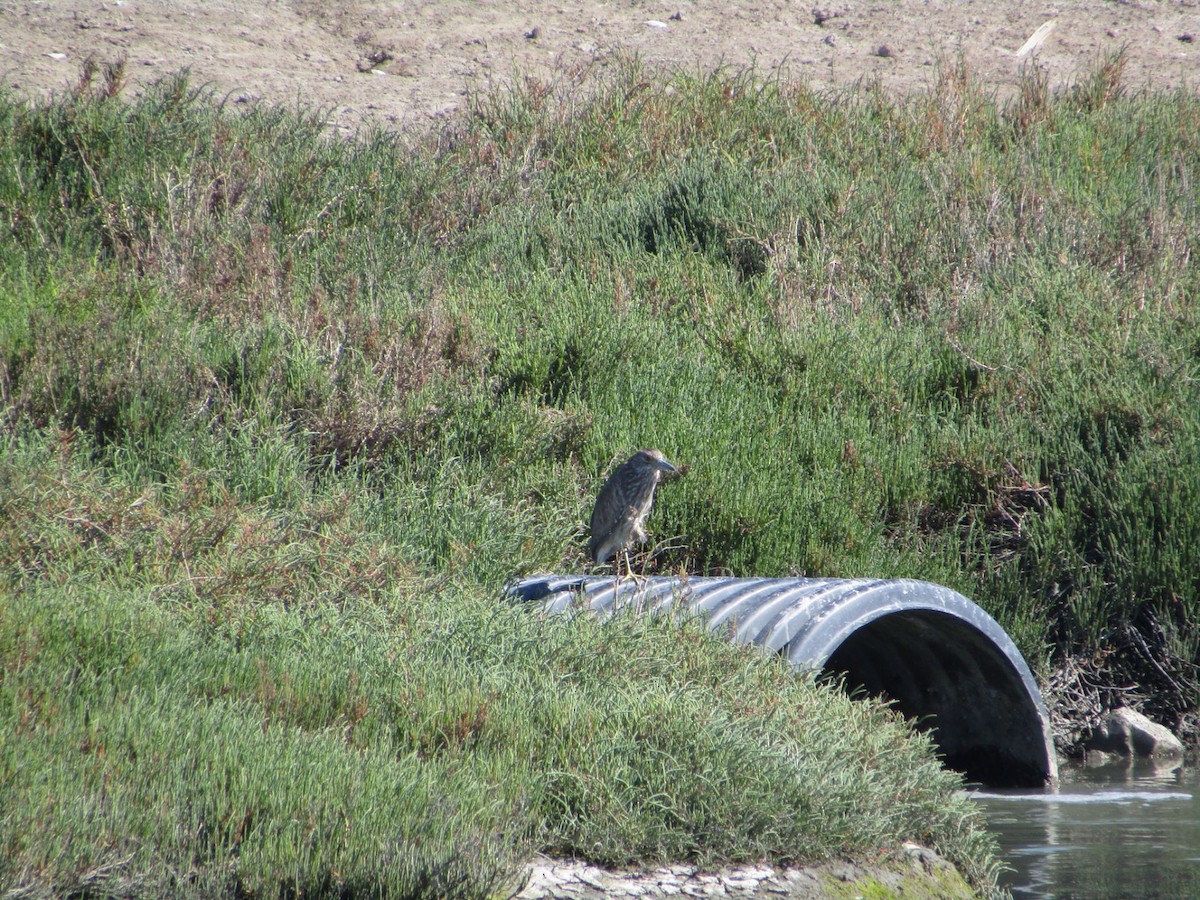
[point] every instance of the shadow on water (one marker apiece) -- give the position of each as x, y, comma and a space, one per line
1108, 832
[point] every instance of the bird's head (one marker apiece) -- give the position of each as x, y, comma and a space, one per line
653, 459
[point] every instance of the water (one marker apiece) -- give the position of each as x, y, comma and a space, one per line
1109, 832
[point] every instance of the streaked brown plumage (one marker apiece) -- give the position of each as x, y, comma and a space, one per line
624, 502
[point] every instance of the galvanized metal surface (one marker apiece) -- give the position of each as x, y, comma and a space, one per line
938, 656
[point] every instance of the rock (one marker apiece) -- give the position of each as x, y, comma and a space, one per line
924, 859
1095, 759
744, 885
844, 872
593, 877
1127, 732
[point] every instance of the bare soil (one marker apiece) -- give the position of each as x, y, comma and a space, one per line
410, 64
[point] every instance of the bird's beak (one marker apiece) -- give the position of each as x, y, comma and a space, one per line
667, 467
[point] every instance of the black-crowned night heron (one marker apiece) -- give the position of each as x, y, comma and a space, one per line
624, 503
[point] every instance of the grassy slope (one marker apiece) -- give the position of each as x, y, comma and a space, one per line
282, 414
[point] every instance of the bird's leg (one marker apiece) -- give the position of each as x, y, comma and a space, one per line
617, 576
639, 537
639, 581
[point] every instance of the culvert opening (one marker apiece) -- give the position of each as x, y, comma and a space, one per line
956, 683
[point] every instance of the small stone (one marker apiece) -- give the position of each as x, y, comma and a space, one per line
884, 51
593, 877
1129, 733
1187, 37
533, 33
676, 16
923, 857
375, 58
830, 40
1096, 758
541, 881
801, 879
843, 872
742, 884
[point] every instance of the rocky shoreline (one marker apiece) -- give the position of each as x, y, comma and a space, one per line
914, 871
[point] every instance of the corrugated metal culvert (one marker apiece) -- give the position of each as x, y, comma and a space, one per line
938, 656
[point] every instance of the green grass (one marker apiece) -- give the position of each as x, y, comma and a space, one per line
201, 694
281, 415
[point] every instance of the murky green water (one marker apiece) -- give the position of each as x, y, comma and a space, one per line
1111, 832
